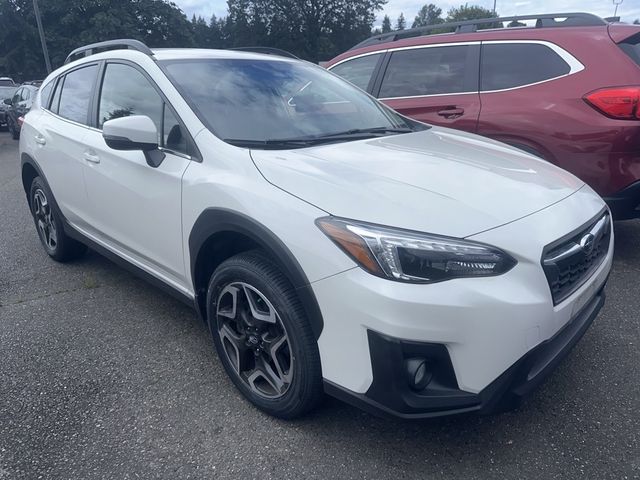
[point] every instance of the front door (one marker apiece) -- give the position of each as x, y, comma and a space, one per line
135, 208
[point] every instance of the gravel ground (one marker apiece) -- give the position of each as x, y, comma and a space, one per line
104, 376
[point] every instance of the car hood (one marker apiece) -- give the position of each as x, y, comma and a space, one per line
439, 180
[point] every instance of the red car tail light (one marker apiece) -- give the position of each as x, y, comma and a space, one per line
616, 102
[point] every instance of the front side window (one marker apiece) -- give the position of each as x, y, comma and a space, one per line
76, 93
25, 94
509, 65
431, 71
271, 103
359, 70
17, 96
126, 91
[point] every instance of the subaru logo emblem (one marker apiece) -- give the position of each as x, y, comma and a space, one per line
587, 243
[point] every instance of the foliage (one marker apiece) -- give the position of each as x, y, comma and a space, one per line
386, 24
428, 15
401, 23
473, 12
312, 29
71, 23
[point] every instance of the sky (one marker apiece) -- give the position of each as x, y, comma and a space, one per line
628, 10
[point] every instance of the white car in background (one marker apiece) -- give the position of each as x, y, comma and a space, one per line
330, 244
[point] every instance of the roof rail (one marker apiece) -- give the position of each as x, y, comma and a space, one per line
467, 26
267, 51
121, 44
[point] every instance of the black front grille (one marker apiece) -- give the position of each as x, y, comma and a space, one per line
569, 262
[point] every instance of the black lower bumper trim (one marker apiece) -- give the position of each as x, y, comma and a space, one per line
391, 396
625, 204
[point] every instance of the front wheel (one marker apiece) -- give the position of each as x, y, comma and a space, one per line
263, 337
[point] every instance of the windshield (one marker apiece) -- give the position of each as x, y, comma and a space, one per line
6, 92
280, 104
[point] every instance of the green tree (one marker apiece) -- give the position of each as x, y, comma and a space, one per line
386, 24
473, 12
636, 21
72, 23
312, 29
428, 15
516, 23
401, 23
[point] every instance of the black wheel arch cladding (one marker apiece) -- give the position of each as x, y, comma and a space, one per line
215, 221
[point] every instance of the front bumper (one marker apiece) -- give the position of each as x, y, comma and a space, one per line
391, 393
488, 327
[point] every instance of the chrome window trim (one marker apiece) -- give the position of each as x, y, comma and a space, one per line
575, 66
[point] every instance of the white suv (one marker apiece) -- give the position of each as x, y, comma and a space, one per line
329, 243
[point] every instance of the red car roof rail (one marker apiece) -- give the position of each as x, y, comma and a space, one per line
548, 20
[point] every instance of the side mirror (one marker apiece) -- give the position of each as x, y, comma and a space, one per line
7, 101
135, 132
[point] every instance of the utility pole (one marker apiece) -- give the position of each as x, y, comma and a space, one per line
45, 52
494, 6
616, 3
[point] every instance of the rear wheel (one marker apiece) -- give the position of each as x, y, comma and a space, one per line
263, 337
15, 134
56, 243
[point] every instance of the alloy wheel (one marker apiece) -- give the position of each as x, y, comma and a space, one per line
44, 219
254, 340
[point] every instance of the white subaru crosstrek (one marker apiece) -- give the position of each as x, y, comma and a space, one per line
330, 244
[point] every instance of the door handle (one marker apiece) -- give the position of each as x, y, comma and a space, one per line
40, 140
451, 112
91, 157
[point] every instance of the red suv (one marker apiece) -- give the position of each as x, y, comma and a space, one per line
566, 89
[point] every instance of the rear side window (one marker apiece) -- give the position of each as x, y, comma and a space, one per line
509, 65
431, 71
631, 46
359, 70
45, 94
76, 94
17, 96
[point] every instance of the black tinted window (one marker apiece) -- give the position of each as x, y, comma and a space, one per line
359, 70
126, 91
631, 46
430, 71
55, 101
514, 65
76, 94
173, 136
17, 96
45, 94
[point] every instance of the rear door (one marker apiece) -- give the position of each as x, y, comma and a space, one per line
435, 84
60, 133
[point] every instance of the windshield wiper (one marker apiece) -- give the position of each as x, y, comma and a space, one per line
301, 142
274, 144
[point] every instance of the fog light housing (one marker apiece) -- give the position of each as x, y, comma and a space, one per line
418, 373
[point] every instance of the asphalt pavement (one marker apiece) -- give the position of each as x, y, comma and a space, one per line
105, 376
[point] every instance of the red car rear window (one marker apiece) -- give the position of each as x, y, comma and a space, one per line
631, 46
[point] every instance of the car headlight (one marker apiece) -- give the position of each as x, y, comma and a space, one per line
409, 256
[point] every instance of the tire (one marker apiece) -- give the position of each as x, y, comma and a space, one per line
15, 134
268, 350
49, 226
